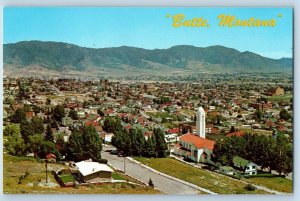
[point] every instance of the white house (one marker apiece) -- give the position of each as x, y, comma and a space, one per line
248, 167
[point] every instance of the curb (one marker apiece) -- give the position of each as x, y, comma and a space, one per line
128, 175
257, 186
173, 178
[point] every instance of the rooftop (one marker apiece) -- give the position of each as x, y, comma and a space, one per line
89, 167
198, 141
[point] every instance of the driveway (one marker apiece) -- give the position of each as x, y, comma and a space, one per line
163, 184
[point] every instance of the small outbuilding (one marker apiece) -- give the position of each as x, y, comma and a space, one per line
90, 172
227, 170
51, 158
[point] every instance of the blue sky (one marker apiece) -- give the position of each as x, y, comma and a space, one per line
149, 28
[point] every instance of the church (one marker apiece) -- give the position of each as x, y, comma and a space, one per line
195, 146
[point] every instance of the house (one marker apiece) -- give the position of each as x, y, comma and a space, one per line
248, 168
91, 172
171, 140
106, 137
227, 170
51, 158
277, 91
195, 146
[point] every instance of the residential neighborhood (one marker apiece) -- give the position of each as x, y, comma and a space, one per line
230, 129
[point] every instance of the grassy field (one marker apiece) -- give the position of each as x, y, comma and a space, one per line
188, 112
275, 183
34, 182
286, 97
163, 115
209, 180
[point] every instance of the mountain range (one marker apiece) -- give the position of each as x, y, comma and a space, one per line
57, 58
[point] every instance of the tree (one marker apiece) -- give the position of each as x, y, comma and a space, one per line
18, 116
60, 144
232, 129
84, 144
36, 109
150, 147
100, 112
48, 101
160, 143
41, 148
75, 146
284, 115
258, 114
59, 112
54, 124
49, 134
15, 145
73, 114
29, 128
92, 142
38, 125
150, 183
11, 129
283, 155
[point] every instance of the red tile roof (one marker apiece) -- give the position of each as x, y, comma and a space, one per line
238, 134
198, 141
50, 156
89, 123
173, 130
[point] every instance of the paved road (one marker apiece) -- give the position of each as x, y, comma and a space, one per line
160, 182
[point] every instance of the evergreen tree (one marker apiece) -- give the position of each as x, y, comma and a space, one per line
73, 114
92, 143
100, 112
59, 112
19, 116
49, 134
37, 125
284, 115
282, 161
160, 143
60, 144
75, 146
84, 144
140, 140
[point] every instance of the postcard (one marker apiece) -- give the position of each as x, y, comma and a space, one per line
111, 100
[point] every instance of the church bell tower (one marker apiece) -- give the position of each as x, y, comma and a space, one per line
200, 122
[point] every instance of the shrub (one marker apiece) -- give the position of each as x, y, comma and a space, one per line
104, 161
250, 187
150, 183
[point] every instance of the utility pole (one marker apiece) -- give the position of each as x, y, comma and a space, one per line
46, 171
124, 162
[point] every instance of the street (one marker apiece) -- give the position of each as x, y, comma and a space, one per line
163, 184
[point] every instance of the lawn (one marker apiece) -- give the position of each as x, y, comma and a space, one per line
275, 183
15, 167
286, 97
67, 178
188, 112
117, 176
212, 181
163, 115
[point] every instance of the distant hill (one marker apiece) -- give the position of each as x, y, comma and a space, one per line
61, 57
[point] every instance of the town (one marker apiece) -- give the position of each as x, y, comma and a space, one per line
228, 133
